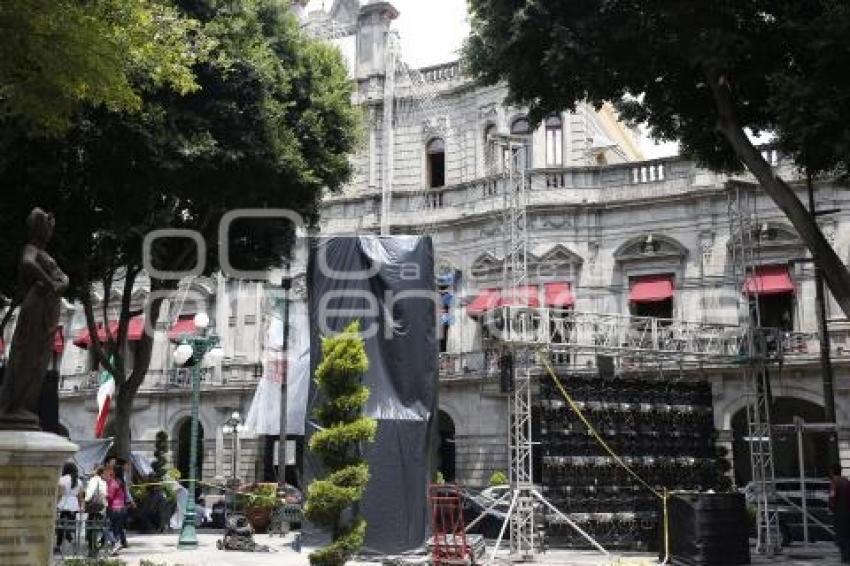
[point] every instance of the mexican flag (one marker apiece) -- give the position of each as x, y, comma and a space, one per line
104, 399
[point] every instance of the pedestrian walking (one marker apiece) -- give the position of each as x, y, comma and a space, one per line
70, 490
839, 504
117, 502
95, 503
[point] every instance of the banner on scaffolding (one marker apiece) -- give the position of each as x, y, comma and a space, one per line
388, 284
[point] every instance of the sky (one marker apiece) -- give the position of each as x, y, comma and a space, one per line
432, 32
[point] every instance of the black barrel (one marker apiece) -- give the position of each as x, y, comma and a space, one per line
708, 529
219, 513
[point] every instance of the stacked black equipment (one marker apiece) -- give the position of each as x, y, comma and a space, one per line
662, 429
708, 529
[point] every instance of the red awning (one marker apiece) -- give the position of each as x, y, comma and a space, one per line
59, 340
651, 288
486, 300
523, 296
489, 299
135, 331
185, 325
559, 295
769, 280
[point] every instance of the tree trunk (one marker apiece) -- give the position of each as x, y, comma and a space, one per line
833, 269
121, 424
126, 393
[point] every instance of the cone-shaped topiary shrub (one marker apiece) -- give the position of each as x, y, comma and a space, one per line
160, 455
343, 429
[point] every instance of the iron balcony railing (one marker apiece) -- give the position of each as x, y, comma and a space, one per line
172, 378
480, 363
561, 329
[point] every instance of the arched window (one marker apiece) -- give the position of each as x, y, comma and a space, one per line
436, 155
489, 148
554, 141
522, 127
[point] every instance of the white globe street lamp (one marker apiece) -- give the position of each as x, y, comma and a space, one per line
215, 355
182, 354
201, 320
233, 426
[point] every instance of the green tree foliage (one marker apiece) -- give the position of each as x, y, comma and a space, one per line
56, 55
811, 95
343, 430
701, 73
498, 478
271, 124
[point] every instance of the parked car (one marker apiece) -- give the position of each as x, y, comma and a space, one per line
788, 500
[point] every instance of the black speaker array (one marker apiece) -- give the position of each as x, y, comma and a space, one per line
664, 431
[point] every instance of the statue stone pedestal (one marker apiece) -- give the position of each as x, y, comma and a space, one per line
30, 463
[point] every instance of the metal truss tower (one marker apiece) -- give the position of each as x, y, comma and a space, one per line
744, 248
514, 154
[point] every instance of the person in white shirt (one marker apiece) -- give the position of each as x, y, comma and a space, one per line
68, 505
95, 508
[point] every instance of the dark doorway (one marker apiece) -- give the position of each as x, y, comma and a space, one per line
654, 309
776, 311
436, 153
785, 461
446, 450
270, 456
184, 435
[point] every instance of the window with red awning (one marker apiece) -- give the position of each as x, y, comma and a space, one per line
135, 331
555, 295
651, 288
558, 295
183, 326
484, 301
769, 280
523, 296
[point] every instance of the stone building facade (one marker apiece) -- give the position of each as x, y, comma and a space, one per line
601, 219
240, 314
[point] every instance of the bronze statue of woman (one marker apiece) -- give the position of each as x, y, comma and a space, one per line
42, 284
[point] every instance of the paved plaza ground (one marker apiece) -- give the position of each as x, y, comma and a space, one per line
162, 550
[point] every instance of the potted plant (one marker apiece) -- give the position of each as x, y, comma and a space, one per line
258, 502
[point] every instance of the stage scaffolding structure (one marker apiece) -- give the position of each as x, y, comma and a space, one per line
744, 247
524, 332
513, 153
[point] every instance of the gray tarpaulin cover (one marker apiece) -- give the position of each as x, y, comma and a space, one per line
92, 453
388, 284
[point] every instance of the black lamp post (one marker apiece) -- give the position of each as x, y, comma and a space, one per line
286, 285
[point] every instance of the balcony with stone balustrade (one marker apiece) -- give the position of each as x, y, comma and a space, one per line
635, 182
